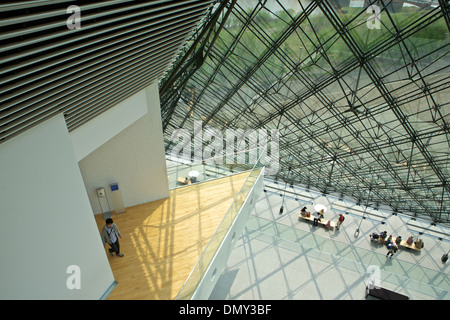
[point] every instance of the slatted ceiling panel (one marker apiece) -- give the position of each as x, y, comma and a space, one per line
122, 56
89, 80
67, 37
27, 5
81, 98
180, 26
132, 19
94, 68
51, 14
112, 96
105, 8
76, 52
122, 47
92, 113
78, 66
77, 110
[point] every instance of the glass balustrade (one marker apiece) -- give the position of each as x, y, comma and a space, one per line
208, 254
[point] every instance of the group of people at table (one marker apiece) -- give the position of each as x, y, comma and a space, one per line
319, 216
190, 180
391, 244
192, 177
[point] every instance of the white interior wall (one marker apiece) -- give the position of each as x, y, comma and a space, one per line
47, 221
102, 128
132, 156
47, 217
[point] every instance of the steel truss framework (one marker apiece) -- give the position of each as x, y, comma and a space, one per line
360, 96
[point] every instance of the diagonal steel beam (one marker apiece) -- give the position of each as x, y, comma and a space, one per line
260, 62
383, 91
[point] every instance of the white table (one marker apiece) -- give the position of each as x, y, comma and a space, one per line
319, 207
194, 173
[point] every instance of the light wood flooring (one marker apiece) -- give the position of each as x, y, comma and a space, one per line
162, 240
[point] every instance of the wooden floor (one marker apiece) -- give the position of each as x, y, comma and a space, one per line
162, 240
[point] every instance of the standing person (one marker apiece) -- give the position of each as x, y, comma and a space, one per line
340, 220
389, 240
111, 235
392, 249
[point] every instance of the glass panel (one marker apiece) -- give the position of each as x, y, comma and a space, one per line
335, 85
203, 263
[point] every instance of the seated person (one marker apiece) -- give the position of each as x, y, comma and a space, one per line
319, 216
186, 181
303, 212
410, 240
392, 247
418, 243
382, 237
193, 179
398, 240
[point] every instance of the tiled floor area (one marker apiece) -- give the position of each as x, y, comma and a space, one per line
279, 257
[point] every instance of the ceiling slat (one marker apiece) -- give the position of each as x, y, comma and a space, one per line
121, 47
